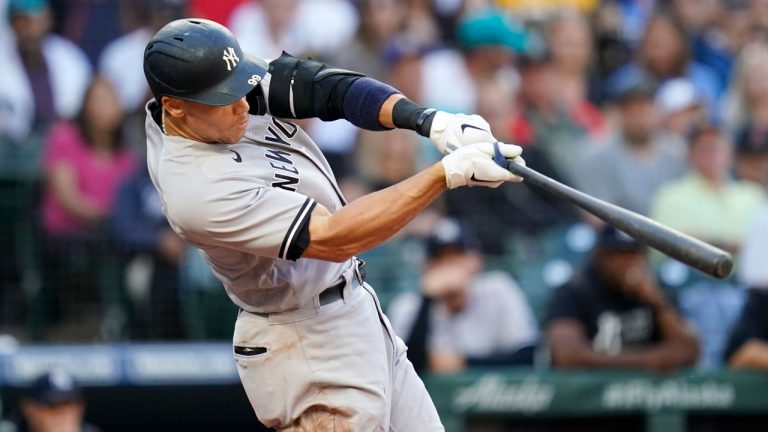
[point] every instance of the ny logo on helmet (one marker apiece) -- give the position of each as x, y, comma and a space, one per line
230, 56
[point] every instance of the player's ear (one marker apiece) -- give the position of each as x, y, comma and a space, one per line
173, 106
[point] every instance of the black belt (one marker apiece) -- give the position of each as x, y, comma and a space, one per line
336, 292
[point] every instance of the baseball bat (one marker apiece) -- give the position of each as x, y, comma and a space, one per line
696, 253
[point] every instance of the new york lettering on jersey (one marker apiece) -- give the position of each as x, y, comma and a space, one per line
283, 144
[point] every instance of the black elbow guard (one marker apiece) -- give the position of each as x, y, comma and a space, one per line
302, 88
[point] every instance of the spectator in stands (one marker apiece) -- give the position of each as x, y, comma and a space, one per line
386, 158
543, 120
664, 53
155, 253
612, 50
707, 203
640, 157
44, 78
681, 108
571, 45
463, 316
717, 30
214, 10
752, 156
53, 403
121, 61
404, 54
91, 25
85, 162
614, 315
748, 343
379, 22
746, 102
752, 270
489, 42
266, 28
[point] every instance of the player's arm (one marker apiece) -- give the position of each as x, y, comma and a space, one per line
302, 88
374, 218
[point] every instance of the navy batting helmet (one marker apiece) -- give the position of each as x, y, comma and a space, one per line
200, 60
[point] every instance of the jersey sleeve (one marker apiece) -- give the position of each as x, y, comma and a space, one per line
248, 217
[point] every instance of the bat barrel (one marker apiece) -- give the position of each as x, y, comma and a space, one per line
691, 251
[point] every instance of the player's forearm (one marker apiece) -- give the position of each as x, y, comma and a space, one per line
374, 218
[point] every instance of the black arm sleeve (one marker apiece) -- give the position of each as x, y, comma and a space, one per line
303, 88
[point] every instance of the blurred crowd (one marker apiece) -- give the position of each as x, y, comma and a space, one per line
657, 106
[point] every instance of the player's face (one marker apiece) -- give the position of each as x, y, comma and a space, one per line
213, 124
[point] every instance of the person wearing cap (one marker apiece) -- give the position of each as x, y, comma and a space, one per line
463, 316
637, 159
489, 42
44, 77
752, 155
681, 107
52, 403
614, 315
707, 202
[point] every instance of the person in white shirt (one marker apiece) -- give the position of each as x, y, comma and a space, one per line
463, 315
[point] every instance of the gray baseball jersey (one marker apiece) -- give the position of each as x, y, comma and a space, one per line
242, 205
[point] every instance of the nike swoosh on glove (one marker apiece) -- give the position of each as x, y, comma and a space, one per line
450, 132
473, 165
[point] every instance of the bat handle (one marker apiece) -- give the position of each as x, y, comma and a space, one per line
499, 158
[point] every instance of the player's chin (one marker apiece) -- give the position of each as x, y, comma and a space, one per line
234, 137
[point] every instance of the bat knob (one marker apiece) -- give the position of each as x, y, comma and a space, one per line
498, 157
723, 266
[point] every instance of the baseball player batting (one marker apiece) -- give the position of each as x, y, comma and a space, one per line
254, 193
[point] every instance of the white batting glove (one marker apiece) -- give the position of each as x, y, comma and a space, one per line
473, 165
452, 131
